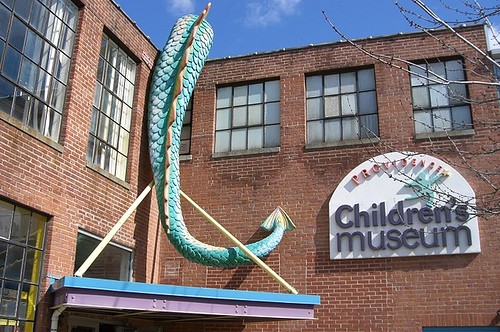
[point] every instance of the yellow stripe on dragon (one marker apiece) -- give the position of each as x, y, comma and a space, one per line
174, 77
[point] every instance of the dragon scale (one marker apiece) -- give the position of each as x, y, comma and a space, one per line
174, 77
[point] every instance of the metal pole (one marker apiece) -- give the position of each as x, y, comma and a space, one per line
97, 251
240, 245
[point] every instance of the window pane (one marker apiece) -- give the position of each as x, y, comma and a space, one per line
121, 167
39, 17
369, 126
37, 231
128, 93
54, 125
30, 274
126, 117
315, 131
457, 94
272, 138
350, 128
17, 33
348, 82
12, 63
332, 106
6, 95
255, 93
28, 74
47, 61
314, 86
113, 263
442, 119
238, 139
255, 137
6, 211
272, 114
58, 94
272, 91
223, 119
37, 115
455, 70
20, 225
185, 132
131, 68
62, 67
366, 79
240, 95
22, 8
33, 46
436, 72
420, 96
367, 102
14, 261
332, 130
222, 141
66, 42
418, 75
423, 122
43, 85
9, 299
124, 139
224, 97
21, 105
439, 95
461, 117
314, 108
239, 116
332, 84
349, 104
4, 21
104, 126
255, 115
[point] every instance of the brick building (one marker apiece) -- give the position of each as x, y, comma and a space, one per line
306, 129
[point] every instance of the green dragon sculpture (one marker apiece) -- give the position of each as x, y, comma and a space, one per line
174, 77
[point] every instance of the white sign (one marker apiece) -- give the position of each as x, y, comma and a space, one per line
402, 204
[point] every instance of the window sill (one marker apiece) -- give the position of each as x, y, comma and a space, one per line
243, 153
108, 175
444, 134
352, 142
185, 157
32, 132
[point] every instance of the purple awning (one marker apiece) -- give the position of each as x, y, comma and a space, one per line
168, 302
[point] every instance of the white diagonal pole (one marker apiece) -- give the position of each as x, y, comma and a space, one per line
104, 242
240, 245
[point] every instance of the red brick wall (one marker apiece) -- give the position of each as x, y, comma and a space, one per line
55, 179
398, 294
380, 294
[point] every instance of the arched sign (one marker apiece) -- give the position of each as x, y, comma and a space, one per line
402, 204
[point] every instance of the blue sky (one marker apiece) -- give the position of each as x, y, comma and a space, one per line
247, 26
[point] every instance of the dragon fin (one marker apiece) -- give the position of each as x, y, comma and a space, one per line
278, 217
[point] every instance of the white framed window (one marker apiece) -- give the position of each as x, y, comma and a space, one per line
248, 117
36, 45
341, 106
440, 101
114, 262
112, 110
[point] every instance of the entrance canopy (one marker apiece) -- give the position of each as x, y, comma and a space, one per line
169, 303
